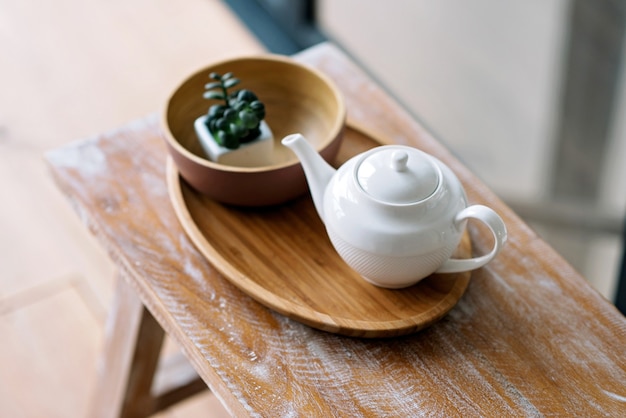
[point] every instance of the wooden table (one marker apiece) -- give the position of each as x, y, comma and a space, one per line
530, 337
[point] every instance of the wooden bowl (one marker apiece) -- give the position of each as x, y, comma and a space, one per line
297, 98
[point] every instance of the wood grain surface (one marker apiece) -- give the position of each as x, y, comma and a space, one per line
529, 337
282, 257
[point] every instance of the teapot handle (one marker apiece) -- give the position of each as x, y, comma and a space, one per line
498, 229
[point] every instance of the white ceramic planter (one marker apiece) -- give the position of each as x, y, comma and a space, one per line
252, 154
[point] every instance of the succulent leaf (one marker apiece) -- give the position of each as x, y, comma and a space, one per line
248, 119
213, 95
212, 85
231, 82
216, 111
246, 96
230, 115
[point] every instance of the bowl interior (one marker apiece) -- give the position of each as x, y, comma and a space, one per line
296, 98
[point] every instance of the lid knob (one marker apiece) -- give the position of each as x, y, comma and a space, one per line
399, 160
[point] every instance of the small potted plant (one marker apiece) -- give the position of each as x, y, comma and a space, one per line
234, 131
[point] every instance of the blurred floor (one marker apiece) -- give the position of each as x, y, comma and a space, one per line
72, 69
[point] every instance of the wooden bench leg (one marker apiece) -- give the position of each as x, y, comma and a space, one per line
132, 346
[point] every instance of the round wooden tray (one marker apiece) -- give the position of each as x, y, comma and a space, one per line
282, 257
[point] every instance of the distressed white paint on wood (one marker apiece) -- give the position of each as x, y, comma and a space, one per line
530, 337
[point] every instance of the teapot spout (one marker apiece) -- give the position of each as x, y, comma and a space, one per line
317, 171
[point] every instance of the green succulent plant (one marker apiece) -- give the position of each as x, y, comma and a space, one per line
237, 120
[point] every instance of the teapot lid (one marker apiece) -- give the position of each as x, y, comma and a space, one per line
397, 175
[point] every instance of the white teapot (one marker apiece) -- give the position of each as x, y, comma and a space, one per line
394, 214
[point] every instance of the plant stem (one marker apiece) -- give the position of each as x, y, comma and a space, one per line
225, 92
